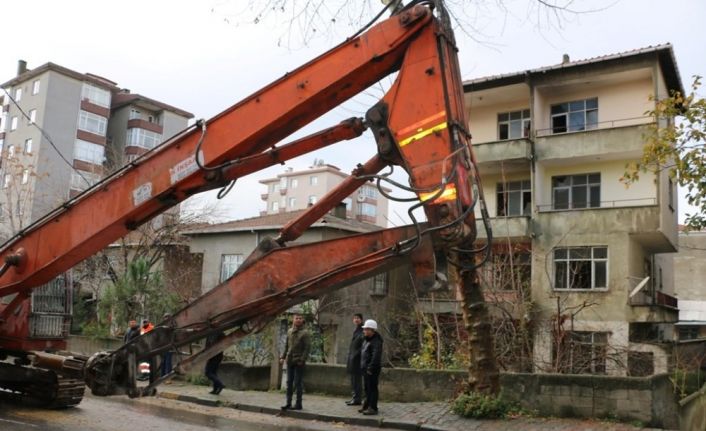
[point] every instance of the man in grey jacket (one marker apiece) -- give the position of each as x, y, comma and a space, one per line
295, 354
353, 363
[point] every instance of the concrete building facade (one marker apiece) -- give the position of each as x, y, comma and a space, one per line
296, 190
552, 145
62, 131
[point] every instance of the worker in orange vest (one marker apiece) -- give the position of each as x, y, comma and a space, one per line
147, 326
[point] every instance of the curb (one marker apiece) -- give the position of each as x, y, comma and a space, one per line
360, 421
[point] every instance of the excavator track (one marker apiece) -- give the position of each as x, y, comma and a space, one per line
40, 387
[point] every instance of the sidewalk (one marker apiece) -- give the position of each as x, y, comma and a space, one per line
427, 416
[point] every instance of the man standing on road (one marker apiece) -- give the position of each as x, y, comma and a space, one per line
371, 365
132, 331
296, 352
353, 363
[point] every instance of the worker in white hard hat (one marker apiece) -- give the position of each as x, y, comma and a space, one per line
371, 365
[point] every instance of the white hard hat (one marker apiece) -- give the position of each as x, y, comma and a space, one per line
370, 324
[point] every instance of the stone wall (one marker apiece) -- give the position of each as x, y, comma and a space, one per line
692, 415
649, 400
90, 345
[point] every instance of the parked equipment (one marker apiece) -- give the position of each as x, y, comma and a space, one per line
419, 125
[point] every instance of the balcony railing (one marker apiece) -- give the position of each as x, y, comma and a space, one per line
609, 124
643, 294
618, 203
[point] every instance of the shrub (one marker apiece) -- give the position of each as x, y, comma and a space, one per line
480, 406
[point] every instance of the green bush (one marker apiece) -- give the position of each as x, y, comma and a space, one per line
197, 379
480, 406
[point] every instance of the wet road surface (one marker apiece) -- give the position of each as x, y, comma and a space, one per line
120, 413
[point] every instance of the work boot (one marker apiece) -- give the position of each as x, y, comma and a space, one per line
218, 391
287, 406
362, 409
353, 403
370, 411
297, 406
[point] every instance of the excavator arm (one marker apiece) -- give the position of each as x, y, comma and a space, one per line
418, 125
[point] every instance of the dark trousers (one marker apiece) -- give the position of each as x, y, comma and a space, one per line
295, 377
166, 363
153, 369
212, 373
371, 389
357, 385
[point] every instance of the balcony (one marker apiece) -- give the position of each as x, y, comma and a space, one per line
609, 140
638, 217
650, 305
517, 227
510, 155
264, 196
142, 124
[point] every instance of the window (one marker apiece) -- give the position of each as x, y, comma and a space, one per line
32, 116
93, 123
575, 116
689, 333
582, 268
367, 209
582, 352
576, 191
18, 94
2, 144
6, 181
275, 187
134, 114
89, 152
13, 124
313, 180
10, 151
514, 198
312, 200
514, 125
506, 271
81, 180
137, 137
283, 183
275, 206
28, 146
294, 183
3, 120
670, 192
378, 285
25, 176
229, 264
96, 95
349, 204
292, 202
35, 87
369, 192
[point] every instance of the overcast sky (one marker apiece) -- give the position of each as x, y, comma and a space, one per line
203, 56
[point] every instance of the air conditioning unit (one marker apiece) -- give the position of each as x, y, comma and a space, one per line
360, 198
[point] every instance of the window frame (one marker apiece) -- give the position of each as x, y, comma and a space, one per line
13, 123
96, 95
78, 182
87, 119
25, 176
505, 119
568, 261
379, 285
503, 193
32, 116
28, 146
36, 85
573, 347
228, 266
570, 188
18, 94
81, 147
568, 109
313, 180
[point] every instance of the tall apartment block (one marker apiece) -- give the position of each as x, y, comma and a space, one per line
552, 145
61, 131
296, 190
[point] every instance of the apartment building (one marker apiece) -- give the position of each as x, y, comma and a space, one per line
61, 131
296, 190
552, 145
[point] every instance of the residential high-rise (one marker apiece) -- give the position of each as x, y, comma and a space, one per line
61, 131
296, 190
552, 145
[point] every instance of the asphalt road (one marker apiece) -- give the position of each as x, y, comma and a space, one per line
120, 413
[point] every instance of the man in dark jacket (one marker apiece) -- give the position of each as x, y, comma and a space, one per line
132, 332
214, 362
295, 354
371, 365
353, 364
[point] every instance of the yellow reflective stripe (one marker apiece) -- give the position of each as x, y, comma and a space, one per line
418, 125
448, 194
423, 133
